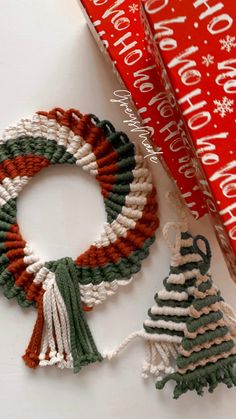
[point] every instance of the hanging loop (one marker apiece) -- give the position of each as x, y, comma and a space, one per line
206, 256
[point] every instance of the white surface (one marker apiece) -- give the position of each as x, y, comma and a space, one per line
48, 58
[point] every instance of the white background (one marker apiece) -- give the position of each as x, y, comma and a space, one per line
48, 58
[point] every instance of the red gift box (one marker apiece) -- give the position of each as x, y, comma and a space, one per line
118, 28
197, 43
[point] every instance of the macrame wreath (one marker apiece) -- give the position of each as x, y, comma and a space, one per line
63, 289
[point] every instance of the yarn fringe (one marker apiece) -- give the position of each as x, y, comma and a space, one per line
160, 354
61, 334
82, 345
160, 358
207, 377
31, 356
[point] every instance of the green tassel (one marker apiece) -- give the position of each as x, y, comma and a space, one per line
83, 348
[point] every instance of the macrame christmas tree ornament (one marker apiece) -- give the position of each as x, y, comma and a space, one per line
167, 318
62, 290
206, 353
190, 330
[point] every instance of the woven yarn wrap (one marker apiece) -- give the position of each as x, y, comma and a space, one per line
69, 137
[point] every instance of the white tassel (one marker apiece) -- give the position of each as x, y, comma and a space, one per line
56, 337
160, 359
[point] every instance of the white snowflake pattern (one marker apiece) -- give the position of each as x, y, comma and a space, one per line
133, 8
223, 106
228, 43
207, 60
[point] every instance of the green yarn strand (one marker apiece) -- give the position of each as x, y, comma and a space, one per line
83, 348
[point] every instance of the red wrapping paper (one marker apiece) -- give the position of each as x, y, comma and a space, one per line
197, 43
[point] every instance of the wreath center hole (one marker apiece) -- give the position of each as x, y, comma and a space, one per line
61, 212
